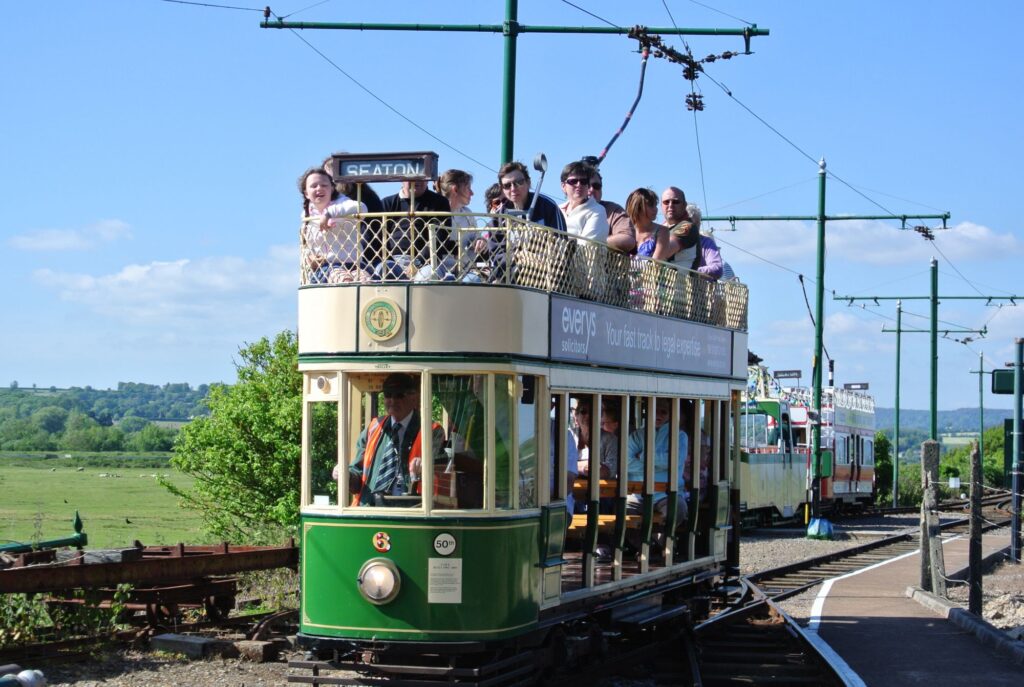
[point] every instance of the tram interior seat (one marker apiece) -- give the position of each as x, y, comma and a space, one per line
460, 488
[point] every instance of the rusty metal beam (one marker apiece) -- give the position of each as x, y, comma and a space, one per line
158, 565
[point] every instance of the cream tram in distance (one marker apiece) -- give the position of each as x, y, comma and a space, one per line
449, 531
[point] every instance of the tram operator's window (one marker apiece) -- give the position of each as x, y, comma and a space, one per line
386, 463
459, 405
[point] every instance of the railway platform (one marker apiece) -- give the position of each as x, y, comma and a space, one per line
887, 638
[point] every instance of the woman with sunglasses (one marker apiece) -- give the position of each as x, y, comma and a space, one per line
584, 216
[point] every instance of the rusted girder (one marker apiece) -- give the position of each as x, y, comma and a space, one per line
157, 565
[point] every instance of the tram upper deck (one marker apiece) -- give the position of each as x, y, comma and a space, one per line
417, 284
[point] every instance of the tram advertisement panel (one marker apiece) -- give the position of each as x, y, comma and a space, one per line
587, 332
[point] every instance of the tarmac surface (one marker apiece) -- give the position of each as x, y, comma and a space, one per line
887, 638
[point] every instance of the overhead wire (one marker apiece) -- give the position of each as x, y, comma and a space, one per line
351, 78
588, 12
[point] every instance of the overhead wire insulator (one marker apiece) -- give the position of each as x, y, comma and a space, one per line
695, 102
925, 232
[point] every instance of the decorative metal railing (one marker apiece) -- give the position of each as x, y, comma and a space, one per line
507, 250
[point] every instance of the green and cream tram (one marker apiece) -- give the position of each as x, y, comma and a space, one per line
469, 563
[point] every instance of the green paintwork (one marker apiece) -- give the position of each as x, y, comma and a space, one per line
500, 577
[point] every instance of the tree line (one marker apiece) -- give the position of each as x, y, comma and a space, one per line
87, 419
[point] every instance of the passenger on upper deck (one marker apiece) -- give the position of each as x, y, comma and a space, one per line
515, 182
457, 187
388, 458
402, 246
621, 233
683, 237
330, 246
584, 217
709, 257
651, 237
637, 449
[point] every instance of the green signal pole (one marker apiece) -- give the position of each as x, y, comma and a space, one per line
981, 403
819, 330
819, 325
510, 29
896, 430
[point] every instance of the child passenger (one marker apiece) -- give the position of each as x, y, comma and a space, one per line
330, 241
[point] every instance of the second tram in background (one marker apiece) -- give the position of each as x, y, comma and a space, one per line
777, 464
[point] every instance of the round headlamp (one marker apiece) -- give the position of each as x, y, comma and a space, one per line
379, 581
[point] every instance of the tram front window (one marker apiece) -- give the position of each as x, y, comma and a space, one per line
323, 449
385, 466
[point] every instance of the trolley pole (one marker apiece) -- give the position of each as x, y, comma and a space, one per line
981, 402
896, 429
511, 29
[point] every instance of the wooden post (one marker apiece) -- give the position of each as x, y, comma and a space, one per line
974, 552
932, 565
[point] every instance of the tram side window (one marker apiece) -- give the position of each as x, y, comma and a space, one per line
504, 438
869, 452
323, 450
460, 407
527, 438
754, 429
559, 431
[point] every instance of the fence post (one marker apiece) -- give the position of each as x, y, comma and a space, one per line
932, 564
974, 552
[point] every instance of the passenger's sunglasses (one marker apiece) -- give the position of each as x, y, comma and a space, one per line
515, 182
574, 181
394, 394
595, 184
671, 201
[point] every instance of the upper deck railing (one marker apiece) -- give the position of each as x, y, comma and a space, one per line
508, 251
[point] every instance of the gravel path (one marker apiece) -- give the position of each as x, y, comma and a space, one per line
760, 550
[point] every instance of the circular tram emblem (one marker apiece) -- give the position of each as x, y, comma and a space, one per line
444, 544
382, 318
382, 542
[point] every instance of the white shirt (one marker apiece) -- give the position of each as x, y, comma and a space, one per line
587, 220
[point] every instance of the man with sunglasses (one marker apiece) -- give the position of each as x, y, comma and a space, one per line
514, 180
683, 236
388, 458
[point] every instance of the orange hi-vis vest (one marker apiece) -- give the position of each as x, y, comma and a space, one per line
373, 435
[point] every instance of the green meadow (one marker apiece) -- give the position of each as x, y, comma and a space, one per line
118, 503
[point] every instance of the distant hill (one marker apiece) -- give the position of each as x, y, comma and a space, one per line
959, 420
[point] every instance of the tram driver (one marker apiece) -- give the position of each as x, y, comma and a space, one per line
386, 468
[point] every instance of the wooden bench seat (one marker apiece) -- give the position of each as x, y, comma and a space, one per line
606, 522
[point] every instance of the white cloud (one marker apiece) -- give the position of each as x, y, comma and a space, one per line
864, 241
211, 292
84, 238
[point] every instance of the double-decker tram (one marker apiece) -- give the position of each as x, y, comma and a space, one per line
449, 529
777, 464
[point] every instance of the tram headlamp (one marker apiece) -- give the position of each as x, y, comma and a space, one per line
379, 581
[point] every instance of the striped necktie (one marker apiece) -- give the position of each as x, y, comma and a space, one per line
388, 468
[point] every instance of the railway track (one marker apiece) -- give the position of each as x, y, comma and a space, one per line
753, 642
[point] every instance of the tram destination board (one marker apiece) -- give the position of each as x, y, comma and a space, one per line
359, 167
588, 332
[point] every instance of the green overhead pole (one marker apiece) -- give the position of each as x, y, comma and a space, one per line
1018, 390
819, 327
510, 29
896, 430
934, 419
508, 95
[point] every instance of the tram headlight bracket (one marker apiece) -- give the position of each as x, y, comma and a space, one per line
379, 581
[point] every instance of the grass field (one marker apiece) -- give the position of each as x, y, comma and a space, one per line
38, 500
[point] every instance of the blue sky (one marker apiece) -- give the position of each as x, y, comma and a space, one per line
150, 152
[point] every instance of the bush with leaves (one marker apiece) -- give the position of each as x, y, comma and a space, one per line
245, 455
